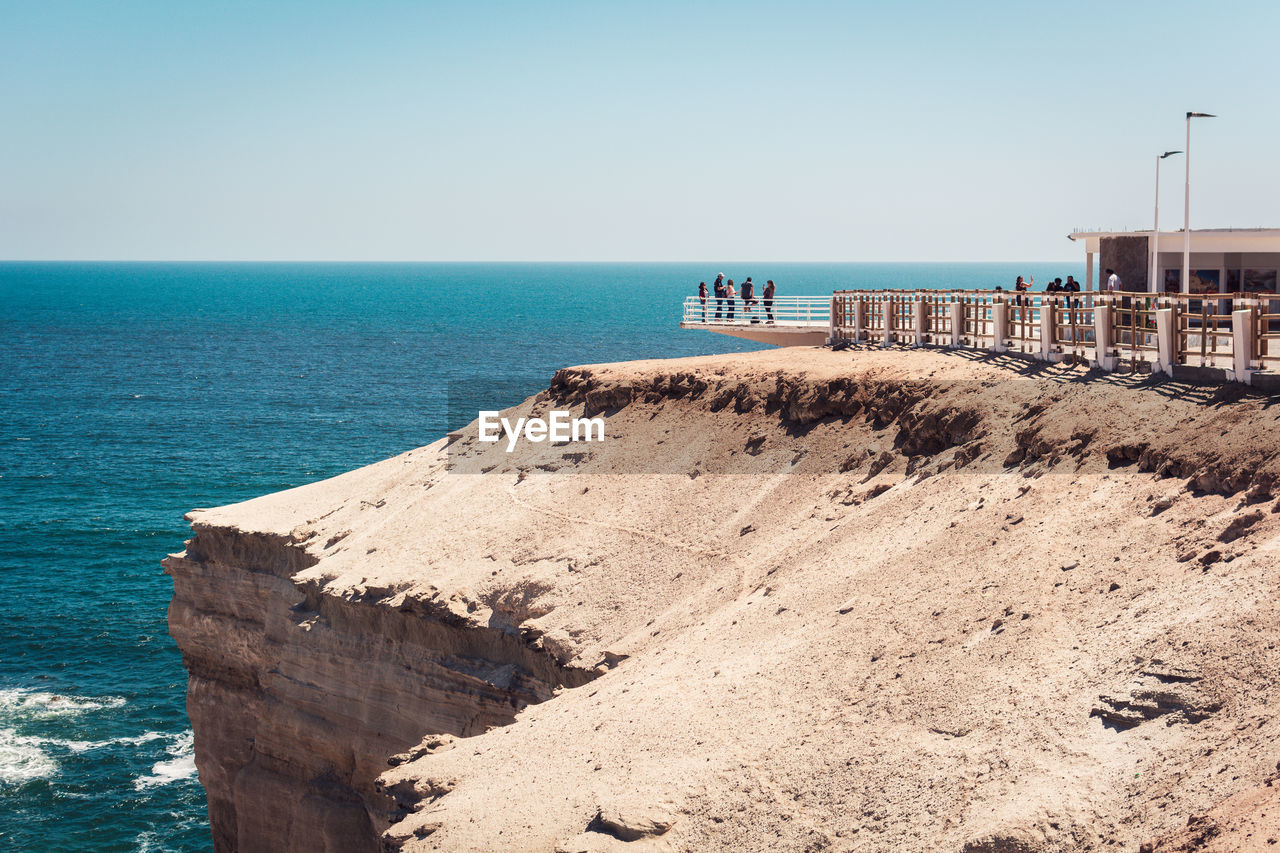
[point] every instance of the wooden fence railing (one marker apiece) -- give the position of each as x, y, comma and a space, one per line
1239, 332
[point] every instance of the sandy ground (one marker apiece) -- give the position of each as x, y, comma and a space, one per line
868, 600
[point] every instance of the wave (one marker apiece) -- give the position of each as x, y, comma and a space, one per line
162, 840
23, 758
32, 704
136, 740
181, 765
26, 756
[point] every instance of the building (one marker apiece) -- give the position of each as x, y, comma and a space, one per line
1223, 260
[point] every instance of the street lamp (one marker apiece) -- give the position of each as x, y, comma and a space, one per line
1186, 209
1155, 235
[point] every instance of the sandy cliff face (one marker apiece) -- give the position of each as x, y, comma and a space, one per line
797, 600
301, 698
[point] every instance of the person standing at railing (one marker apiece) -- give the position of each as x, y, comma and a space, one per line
1071, 286
702, 297
768, 299
749, 299
1070, 302
730, 294
1054, 286
1021, 287
1114, 283
718, 287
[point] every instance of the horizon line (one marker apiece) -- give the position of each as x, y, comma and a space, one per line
473, 261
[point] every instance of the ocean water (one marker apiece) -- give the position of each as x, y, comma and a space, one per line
131, 393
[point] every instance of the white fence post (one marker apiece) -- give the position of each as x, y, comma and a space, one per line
831, 322
859, 320
999, 325
887, 307
1048, 328
957, 324
922, 319
1242, 344
1102, 357
1166, 334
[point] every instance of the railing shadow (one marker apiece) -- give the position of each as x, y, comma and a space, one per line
1205, 393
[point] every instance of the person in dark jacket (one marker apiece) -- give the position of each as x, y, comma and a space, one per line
719, 293
702, 297
749, 299
1072, 286
768, 299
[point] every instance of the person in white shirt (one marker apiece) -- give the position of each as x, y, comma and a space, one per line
1113, 281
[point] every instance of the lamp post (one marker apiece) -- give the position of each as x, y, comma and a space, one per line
1186, 208
1155, 235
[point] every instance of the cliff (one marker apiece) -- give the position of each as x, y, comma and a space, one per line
796, 600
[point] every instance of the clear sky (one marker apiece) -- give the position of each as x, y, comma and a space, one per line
610, 131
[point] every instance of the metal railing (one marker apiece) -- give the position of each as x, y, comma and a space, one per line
1202, 330
781, 310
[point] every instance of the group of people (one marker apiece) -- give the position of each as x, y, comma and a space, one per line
1022, 286
723, 291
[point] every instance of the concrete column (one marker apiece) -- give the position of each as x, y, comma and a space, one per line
887, 307
1048, 329
859, 319
1000, 325
1242, 343
1102, 337
831, 323
922, 321
1166, 336
957, 324
1088, 270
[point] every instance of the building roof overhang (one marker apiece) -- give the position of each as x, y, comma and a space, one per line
1202, 240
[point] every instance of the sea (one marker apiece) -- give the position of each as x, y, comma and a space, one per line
131, 393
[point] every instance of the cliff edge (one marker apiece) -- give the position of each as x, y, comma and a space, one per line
795, 600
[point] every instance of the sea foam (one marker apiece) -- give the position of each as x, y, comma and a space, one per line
181, 764
88, 745
32, 704
23, 758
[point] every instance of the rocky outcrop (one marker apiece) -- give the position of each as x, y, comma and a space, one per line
795, 601
1175, 693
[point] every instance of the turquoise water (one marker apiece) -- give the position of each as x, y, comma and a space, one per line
130, 393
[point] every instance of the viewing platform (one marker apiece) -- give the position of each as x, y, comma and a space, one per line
1213, 337
787, 322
